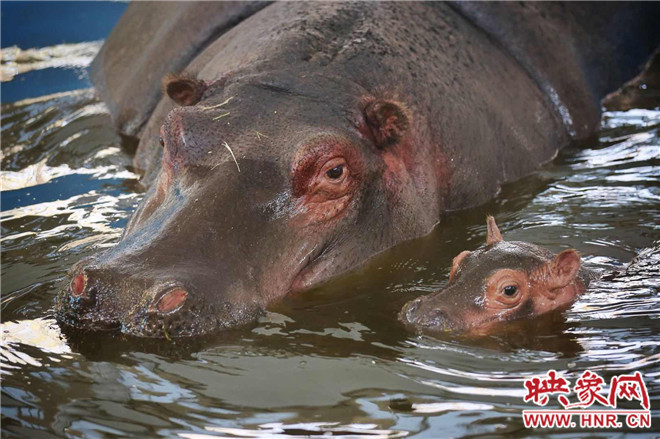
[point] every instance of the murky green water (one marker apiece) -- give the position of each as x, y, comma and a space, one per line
332, 361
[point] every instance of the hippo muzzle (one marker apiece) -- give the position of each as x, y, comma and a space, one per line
186, 266
99, 297
439, 313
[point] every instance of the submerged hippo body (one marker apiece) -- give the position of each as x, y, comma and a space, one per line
503, 281
311, 136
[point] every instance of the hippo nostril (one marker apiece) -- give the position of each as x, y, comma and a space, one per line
170, 301
409, 310
437, 318
78, 285
412, 307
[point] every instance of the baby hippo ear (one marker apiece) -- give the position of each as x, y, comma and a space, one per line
493, 235
455, 264
185, 91
387, 121
563, 269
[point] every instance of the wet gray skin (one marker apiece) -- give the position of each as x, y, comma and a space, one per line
503, 281
243, 207
216, 228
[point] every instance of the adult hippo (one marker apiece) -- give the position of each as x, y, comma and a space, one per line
309, 137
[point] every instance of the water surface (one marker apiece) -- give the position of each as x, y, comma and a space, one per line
332, 361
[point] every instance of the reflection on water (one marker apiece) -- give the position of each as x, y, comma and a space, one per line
16, 61
334, 361
279, 430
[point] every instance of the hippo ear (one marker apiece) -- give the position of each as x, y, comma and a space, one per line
493, 236
387, 121
456, 263
563, 269
184, 91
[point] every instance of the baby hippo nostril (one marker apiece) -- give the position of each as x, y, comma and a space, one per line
171, 301
436, 318
78, 285
412, 307
409, 310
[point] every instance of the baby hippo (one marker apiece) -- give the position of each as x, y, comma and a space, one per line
499, 282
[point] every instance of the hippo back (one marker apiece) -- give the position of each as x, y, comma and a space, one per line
150, 40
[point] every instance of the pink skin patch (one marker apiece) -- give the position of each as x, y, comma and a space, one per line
320, 197
171, 301
78, 285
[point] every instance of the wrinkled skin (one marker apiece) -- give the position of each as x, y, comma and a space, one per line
309, 138
503, 281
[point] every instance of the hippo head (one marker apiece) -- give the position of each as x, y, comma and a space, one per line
269, 184
500, 282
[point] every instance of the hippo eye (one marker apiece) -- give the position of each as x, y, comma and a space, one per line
335, 172
161, 141
510, 290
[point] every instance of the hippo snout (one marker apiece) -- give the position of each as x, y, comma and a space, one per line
409, 312
104, 298
423, 315
118, 294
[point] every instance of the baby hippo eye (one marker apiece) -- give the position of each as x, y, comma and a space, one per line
335, 172
161, 141
510, 290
